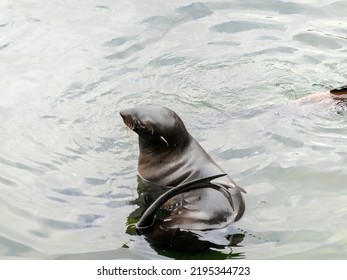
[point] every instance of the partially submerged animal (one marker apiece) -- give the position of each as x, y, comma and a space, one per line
186, 186
335, 95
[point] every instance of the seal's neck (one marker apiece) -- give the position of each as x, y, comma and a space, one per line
161, 149
172, 166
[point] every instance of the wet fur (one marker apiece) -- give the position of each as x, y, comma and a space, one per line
169, 157
335, 95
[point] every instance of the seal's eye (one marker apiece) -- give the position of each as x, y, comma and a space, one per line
148, 128
144, 127
140, 125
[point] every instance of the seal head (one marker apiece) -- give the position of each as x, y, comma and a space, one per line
157, 126
169, 155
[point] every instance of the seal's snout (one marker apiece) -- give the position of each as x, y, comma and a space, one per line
127, 119
122, 114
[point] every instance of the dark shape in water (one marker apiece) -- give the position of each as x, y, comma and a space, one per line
188, 191
177, 243
339, 90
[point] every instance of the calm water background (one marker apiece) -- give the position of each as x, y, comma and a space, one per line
231, 69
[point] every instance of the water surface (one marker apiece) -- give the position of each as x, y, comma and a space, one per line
230, 69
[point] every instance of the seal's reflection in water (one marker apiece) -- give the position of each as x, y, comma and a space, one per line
179, 243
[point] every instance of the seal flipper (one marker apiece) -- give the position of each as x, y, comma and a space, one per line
147, 219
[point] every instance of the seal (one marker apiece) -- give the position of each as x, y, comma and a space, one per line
338, 94
188, 190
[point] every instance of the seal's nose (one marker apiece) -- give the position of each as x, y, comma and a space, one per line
127, 118
122, 114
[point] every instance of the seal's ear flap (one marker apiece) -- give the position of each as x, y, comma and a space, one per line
164, 140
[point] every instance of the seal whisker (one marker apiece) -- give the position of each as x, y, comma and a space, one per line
129, 122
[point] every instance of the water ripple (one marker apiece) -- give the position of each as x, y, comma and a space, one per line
317, 40
231, 69
242, 25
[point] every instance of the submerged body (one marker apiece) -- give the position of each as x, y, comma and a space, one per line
171, 158
335, 95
